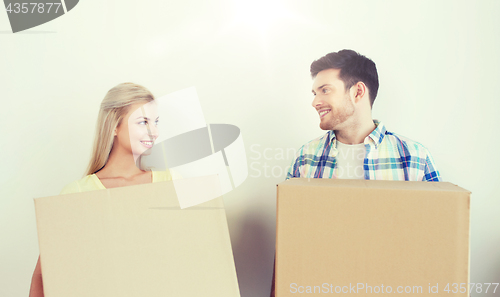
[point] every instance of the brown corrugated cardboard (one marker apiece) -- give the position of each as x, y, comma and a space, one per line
134, 241
369, 237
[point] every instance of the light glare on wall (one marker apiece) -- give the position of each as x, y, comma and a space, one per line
260, 14
157, 46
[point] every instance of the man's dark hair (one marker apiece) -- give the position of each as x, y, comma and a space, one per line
353, 69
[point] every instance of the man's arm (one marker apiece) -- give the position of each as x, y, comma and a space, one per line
294, 169
431, 173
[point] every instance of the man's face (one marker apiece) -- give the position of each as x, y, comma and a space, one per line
333, 104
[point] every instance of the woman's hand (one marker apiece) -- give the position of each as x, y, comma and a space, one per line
36, 289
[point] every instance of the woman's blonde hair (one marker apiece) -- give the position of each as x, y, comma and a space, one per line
114, 107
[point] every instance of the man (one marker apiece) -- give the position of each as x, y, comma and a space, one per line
345, 85
356, 146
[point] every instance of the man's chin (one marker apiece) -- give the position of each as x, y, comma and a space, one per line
325, 126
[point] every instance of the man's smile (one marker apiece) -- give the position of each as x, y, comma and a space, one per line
323, 112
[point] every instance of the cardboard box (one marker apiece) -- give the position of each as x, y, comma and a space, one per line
134, 241
369, 237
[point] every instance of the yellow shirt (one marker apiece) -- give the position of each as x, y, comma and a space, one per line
91, 182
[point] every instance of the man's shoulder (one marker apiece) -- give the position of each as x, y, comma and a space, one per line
307, 157
411, 146
312, 146
415, 153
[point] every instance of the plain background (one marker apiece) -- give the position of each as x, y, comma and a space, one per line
249, 60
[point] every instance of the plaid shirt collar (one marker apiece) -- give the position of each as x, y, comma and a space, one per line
375, 137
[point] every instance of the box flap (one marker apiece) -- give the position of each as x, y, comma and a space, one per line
373, 184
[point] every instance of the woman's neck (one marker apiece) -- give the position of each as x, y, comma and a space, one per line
120, 164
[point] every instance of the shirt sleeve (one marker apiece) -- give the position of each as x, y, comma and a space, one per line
175, 175
291, 170
431, 173
294, 169
71, 188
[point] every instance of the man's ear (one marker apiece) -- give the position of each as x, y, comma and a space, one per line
360, 91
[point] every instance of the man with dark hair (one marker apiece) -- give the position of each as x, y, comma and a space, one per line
356, 146
345, 85
353, 68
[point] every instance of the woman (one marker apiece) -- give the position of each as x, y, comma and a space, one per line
126, 130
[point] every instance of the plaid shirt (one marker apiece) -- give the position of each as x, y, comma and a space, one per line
388, 156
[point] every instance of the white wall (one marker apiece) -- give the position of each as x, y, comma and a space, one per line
438, 66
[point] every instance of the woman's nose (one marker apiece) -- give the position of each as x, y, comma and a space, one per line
153, 131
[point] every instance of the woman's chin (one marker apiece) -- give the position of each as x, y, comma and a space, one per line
146, 152
142, 152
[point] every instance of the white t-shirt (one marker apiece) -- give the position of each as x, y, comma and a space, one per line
350, 159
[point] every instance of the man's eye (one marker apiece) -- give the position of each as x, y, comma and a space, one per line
325, 90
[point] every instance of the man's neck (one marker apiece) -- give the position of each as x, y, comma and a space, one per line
356, 132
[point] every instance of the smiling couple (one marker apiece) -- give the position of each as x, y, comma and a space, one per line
345, 86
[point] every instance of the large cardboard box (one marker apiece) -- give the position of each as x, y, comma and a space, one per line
134, 241
371, 238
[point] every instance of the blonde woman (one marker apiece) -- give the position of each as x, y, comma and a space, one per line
126, 130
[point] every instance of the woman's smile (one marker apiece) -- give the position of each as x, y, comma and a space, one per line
147, 143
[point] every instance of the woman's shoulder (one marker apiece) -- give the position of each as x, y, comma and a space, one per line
87, 183
91, 182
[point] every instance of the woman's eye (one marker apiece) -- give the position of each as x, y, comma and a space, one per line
143, 122
325, 90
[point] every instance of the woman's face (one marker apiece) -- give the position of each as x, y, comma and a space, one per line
138, 129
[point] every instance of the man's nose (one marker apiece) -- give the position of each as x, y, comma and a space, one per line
316, 102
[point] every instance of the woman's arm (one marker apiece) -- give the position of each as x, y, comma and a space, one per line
272, 284
36, 289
